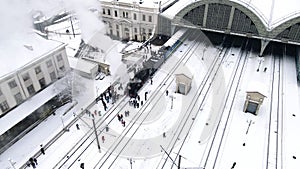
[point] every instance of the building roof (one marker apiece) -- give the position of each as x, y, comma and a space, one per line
144, 3
256, 92
183, 70
18, 51
81, 64
271, 12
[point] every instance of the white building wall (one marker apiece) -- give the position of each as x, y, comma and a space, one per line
116, 24
8, 94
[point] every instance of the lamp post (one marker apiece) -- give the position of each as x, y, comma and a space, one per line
98, 144
204, 50
63, 124
130, 160
172, 98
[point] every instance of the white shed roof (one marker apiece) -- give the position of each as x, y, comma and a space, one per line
271, 12
257, 87
185, 71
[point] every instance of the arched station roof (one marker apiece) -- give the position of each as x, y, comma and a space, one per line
272, 14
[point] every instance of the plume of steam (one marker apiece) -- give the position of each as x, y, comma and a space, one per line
18, 20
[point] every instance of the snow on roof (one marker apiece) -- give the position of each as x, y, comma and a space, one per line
18, 51
257, 87
143, 3
185, 71
272, 13
81, 65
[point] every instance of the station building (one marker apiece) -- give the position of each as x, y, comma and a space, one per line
268, 21
30, 65
130, 19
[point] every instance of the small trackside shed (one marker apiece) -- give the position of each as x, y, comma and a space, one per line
254, 100
183, 80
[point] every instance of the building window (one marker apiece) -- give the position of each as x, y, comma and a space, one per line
25, 77
38, 70
59, 57
144, 18
143, 30
1, 93
125, 14
150, 18
103, 11
108, 11
62, 68
52, 76
49, 63
116, 13
134, 16
42, 82
117, 26
118, 34
31, 90
135, 30
12, 84
150, 31
18, 98
4, 106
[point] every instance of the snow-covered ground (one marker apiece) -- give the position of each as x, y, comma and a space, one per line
167, 113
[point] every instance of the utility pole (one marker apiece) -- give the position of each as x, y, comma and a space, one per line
72, 26
179, 161
98, 144
169, 156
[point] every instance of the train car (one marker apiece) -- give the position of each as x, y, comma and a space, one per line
173, 42
139, 79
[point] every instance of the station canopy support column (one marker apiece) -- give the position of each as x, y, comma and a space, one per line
263, 46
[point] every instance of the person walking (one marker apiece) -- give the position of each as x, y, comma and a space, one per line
167, 92
42, 149
77, 126
119, 117
32, 163
35, 161
103, 139
82, 165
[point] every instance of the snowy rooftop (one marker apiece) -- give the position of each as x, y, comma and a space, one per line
272, 13
144, 3
19, 51
81, 65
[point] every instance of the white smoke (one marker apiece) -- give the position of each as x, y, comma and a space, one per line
16, 16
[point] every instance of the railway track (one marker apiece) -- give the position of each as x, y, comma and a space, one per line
273, 150
204, 92
82, 145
